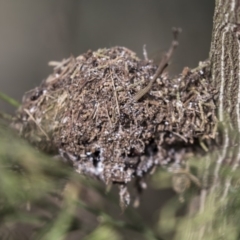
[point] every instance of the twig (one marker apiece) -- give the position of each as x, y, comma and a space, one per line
163, 64
38, 125
115, 94
182, 137
145, 54
58, 65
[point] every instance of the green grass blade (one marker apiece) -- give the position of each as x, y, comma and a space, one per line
9, 100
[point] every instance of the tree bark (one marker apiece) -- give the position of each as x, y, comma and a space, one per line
225, 59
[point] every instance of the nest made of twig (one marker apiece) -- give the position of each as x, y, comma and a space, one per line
86, 111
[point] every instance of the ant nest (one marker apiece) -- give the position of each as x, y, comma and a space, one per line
86, 112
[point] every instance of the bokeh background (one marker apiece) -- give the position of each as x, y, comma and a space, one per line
35, 32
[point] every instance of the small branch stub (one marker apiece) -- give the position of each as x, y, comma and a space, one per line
163, 64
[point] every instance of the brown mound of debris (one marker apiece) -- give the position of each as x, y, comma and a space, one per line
86, 111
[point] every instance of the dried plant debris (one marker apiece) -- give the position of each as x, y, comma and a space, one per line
87, 111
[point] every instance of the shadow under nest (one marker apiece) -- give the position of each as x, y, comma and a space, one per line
86, 112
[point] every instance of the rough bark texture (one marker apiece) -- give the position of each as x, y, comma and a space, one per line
225, 58
225, 74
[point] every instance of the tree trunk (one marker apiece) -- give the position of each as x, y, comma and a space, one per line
225, 59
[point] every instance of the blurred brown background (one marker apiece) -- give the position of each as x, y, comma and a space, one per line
35, 32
